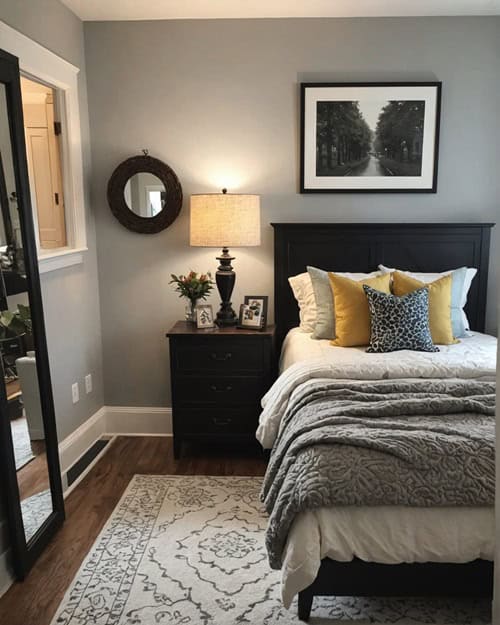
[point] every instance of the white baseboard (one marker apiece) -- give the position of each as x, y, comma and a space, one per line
138, 421
6, 573
112, 421
78, 442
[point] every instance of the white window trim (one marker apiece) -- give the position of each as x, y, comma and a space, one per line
59, 258
39, 63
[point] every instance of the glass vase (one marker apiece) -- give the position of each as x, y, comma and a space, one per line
190, 311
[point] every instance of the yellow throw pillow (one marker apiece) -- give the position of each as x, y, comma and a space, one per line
439, 304
352, 315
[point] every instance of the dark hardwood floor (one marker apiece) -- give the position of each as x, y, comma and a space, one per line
33, 477
34, 601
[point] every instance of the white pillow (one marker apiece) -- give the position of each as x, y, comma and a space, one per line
304, 294
431, 277
302, 288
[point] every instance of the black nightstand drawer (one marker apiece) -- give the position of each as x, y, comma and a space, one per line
224, 355
219, 389
218, 378
220, 421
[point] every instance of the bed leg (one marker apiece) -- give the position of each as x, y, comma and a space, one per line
305, 604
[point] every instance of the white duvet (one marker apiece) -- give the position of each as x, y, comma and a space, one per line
385, 534
305, 359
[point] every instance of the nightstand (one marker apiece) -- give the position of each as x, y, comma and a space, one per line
218, 377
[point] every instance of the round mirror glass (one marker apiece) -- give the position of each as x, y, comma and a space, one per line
145, 194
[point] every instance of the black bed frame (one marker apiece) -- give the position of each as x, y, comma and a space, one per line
360, 247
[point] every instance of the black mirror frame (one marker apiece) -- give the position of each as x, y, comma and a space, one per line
25, 552
120, 208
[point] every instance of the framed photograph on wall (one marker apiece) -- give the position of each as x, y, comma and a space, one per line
369, 137
204, 316
253, 312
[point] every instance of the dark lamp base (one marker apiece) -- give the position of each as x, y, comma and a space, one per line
226, 321
225, 279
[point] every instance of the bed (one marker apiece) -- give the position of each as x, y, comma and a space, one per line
382, 550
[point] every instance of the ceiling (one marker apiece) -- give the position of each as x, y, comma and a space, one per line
224, 9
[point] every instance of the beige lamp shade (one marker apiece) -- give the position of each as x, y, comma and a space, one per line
225, 220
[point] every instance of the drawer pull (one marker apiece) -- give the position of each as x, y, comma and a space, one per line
216, 389
222, 420
222, 357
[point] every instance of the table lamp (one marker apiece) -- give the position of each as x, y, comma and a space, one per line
225, 220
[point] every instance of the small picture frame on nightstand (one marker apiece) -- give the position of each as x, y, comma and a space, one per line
204, 317
253, 312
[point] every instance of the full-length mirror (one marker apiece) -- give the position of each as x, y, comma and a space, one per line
28, 440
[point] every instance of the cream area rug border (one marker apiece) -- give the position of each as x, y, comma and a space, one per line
189, 550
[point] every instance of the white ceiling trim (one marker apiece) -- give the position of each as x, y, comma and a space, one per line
106, 10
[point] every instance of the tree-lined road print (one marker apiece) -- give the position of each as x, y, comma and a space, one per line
369, 138
371, 166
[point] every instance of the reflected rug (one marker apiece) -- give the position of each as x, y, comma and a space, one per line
21, 442
190, 550
35, 510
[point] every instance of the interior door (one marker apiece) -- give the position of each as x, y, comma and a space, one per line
48, 197
44, 162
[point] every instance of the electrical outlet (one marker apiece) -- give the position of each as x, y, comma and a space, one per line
88, 383
75, 392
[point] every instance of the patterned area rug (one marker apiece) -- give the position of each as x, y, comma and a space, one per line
190, 550
21, 442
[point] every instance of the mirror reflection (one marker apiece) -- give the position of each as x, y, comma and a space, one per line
145, 194
43, 134
17, 353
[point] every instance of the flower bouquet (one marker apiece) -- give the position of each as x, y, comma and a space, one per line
193, 287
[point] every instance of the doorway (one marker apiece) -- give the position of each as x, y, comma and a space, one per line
42, 131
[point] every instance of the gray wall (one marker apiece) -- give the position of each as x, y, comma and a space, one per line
218, 101
70, 295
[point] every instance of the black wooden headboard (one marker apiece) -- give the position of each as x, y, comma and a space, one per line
428, 247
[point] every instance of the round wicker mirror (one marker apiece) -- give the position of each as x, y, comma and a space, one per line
144, 194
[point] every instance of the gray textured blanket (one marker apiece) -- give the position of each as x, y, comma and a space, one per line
414, 443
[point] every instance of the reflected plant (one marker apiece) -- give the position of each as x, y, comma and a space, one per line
15, 323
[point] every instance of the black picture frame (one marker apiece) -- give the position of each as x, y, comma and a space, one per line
247, 305
418, 152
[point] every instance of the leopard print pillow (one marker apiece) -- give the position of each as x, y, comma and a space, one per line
399, 322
